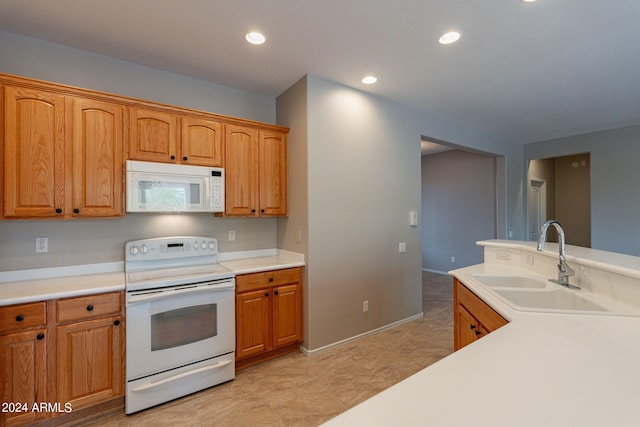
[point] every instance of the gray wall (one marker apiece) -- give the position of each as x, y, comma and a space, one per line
79, 242
363, 177
614, 183
458, 208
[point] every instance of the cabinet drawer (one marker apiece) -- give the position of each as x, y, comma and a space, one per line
80, 308
488, 317
22, 316
254, 281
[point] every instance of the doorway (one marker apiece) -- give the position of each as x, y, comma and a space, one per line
559, 188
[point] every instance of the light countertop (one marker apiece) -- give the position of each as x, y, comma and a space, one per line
17, 287
541, 369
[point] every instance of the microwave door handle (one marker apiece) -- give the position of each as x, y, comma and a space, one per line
135, 299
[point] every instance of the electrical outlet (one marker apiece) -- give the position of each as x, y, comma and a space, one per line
365, 306
42, 244
402, 247
453, 259
232, 235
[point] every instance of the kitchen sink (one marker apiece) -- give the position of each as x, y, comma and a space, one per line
503, 281
557, 299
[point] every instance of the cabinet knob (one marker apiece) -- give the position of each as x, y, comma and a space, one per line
266, 294
89, 308
478, 332
58, 210
270, 279
40, 336
185, 158
277, 293
262, 210
253, 211
76, 210
173, 157
472, 326
116, 322
19, 318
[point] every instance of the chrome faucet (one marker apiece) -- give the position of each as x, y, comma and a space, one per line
564, 271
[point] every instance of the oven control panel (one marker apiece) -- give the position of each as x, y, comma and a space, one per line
170, 247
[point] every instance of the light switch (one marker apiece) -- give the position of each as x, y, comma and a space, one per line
402, 247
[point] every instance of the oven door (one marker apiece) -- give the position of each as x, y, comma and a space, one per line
172, 327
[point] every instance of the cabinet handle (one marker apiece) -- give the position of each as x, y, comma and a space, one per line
40, 336
266, 294
89, 308
19, 318
116, 322
76, 210
173, 157
478, 333
185, 158
58, 210
472, 326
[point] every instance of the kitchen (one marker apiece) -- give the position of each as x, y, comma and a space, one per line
329, 200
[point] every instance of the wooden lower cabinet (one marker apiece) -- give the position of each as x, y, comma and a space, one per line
89, 361
268, 315
23, 372
61, 359
473, 318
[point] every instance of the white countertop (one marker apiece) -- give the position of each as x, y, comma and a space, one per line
17, 287
539, 370
276, 260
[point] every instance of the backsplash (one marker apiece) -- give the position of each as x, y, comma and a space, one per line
77, 242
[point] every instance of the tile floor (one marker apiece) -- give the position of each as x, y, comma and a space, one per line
298, 390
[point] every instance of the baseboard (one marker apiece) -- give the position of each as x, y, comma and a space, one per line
308, 352
434, 271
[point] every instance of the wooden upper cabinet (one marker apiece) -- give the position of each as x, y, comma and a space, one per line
273, 173
241, 171
153, 136
97, 129
34, 153
256, 172
202, 142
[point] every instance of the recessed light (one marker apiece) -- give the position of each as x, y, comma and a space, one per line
369, 80
255, 38
450, 37
527, 1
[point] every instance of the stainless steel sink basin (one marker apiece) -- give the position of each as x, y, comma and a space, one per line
558, 299
500, 281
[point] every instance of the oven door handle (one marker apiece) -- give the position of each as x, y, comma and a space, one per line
219, 365
135, 299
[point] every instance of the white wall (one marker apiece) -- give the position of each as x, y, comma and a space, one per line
75, 242
615, 175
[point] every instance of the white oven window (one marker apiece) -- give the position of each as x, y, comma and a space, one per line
183, 326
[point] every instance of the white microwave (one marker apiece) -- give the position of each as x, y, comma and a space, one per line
163, 187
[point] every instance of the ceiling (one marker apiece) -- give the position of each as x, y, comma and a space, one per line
522, 71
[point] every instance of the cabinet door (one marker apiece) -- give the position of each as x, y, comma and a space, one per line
23, 374
287, 314
201, 142
467, 328
153, 136
241, 171
273, 173
34, 153
97, 158
90, 361
252, 323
